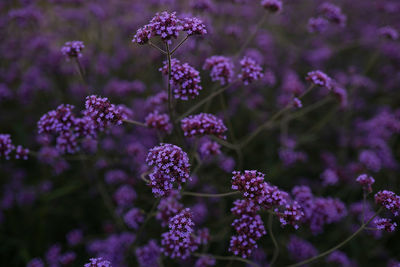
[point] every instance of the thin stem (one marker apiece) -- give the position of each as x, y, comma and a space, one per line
81, 74
170, 109
143, 177
209, 195
227, 258
344, 242
135, 122
179, 45
156, 47
224, 143
251, 37
271, 233
204, 100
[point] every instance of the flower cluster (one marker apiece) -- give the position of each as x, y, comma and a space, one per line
205, 261
203, 124
272, 5
389, 33
7, 147
167, 26
170, 165
385, 224
222, 69
366, 182
209, 148
389, 200
300, 249
148, 255
98, 262
179, 242
292, 214
168, 207
184, 78
133, 218
250, 183
250, 70
158, 121
332, 13
102, 112
73, 49
319, 78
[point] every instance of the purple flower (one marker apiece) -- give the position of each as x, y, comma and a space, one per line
366, 182
317, 25
102, 112
133, 218
242, 245
74, 237
389, 200
68, 258
385, 224
370, 160
125, 195
339, 258
148, 255
319, 78
73, 49
158, 121
272, 5
329, 177
250, 226
209, 148
244, 206
193, 26
115, 176
179, 241
250, 183
57, 121
185, 80
221, 68
292, 214
6, 146
36, 262
21, 153
389, 33
332, 13
98, 262
250, 70
300, 249
203, 124
205, 261
297, 103
170, 165
168, 207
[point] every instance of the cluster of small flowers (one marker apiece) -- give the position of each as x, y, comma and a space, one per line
221, 68
209, 148
133, 218
124, 195
389, 200
102, 112
148, 255
158, 121
250, 70
250, 183
292, 214
167, 26
55, 257
389, 33
184, 78
249, 228
205, 261
385, 224
168, 207
366, 182
328, 13
7, 147
203, 124
319, 78
318, 211
170, 165
73, 49
98, 262
272, 5
300, 249
179, 241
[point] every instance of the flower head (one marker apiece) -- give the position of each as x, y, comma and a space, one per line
389, 33
98, 262
73, 49
6, 146
193, 26
203, 124
158, 121
221, 68
319, 78
184, 78
385, 224
272, 5
366, 182
250, 70
148, 255
389, 200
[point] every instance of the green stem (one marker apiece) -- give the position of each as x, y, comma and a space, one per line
203, 101
271, 233
170, 97
209, 195
344, 242
136, 123
179, 45
156, 47
227, 258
